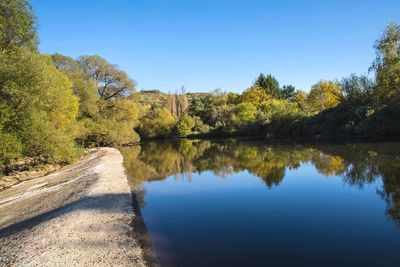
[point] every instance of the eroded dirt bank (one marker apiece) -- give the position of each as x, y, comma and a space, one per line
80, 215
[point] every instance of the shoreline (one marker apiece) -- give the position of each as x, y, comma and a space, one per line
143, 235
82, 214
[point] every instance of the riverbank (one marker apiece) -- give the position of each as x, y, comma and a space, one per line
80, 215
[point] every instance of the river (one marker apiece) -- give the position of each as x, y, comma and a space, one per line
242, 203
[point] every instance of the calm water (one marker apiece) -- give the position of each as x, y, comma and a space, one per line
257, 204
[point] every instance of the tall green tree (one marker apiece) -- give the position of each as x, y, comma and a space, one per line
84, 89
269, 84
38, 108
17, 25
387, 65
357, 88
109, 121
111, 81
288, 91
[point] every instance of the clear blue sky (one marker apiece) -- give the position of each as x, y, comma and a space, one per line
205, 44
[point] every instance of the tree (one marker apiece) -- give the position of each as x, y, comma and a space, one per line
199, 126
17, 25
276, 109
233, 98
324, 95
84, 89
387, 65
101, 122
183, 102
288, 91
110, 80
269, 84
201, 106
255, 95
158, 122
222, 116
245, 113
38, 108
300, 99
185, 126
357, 88
178, 104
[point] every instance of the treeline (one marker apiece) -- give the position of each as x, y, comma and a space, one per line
52, 106
358, 105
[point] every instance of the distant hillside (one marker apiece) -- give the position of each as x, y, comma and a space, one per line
155, 97
151, 97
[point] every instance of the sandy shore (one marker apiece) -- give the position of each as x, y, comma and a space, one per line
80, 215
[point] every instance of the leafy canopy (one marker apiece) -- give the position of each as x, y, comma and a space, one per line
387, 65
269, 84
325, 95
38, 106
17, 25
110, 80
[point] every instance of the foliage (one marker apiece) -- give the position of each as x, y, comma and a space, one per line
277, 109
10, 148
84, 89
387, 65
111, 126
185, 126
288, 91
199, 126
255, 95
324, 95
222, 116
38, 106
110, 80
178, 104
300, 99
233, 98
201, 106
245, 113
158, 122
17, 25
357, 88
103, 121
269, 84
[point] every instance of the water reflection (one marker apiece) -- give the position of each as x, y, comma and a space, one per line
357, 164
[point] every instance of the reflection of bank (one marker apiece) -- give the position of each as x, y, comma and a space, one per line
357, 164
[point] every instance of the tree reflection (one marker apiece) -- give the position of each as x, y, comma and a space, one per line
357, 164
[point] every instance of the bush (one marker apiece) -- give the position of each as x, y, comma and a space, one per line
185, 126
157, 123
10, 148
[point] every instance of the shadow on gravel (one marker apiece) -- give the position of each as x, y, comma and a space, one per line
104, 203
108, 203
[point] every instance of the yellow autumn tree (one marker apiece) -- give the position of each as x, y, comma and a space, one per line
255, 95
300, 99
324, 95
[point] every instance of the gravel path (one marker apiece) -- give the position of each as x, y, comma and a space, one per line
80, 215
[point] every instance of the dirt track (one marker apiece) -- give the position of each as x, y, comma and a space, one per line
80, 215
